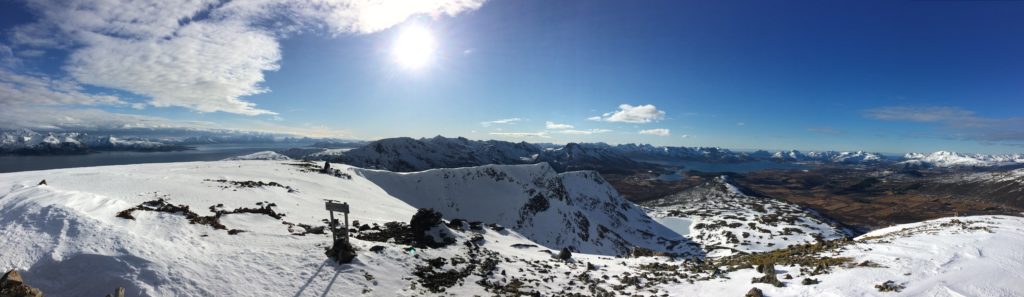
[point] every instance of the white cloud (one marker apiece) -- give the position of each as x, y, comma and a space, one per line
658, 132
556, 126
203, 55
520, 134
684, 136
582, 132
25, 89
632, 114
740, 124
501, 122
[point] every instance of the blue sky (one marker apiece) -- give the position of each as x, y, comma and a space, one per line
889, 76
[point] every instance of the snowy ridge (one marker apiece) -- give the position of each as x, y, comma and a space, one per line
578, 210
724, 220
264, 155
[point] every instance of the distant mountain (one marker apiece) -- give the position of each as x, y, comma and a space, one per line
954, 159
679, 153
27, 142
858, 157
408, 154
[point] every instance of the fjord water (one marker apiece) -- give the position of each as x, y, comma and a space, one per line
208, 152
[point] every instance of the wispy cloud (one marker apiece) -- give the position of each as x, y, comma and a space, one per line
501, 122
740, 124
520, 134
956, 122
553, 126
639, 114
658, 132
202, 55
582, 132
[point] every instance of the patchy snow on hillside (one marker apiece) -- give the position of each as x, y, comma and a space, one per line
724, 220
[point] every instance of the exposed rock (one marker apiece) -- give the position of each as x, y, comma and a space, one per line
342, 251
769, 276
754, 292
890, 286
377, 249
12, 285
810, 281
565, 254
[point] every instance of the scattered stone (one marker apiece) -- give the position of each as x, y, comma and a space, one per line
890, 286
42, 183
377, 249
810, 281
787, 276
754, 292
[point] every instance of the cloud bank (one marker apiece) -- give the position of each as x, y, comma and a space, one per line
640, 114
658, 132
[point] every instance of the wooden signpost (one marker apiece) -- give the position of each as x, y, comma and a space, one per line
332, 206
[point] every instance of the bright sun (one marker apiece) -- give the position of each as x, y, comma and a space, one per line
414, 47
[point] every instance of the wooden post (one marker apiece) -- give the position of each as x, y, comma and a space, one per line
333, 206
330, 224
346, 226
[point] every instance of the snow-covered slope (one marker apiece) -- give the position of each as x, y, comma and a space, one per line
724, 220
578, 210
264, 155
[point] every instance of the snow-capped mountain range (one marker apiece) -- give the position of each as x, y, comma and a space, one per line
408, 154
30, 142
954, 159
858, 157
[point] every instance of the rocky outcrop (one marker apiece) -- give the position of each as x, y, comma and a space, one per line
12, 285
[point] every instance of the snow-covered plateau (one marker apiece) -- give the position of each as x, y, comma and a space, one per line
248, 228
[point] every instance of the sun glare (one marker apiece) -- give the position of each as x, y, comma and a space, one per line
414, 48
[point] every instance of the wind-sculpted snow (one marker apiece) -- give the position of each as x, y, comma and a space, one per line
724, 220
577, 210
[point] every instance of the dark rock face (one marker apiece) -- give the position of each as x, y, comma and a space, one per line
809, 281
421, 225
12, 285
